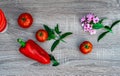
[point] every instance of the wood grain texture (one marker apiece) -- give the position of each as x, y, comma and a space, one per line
104, 59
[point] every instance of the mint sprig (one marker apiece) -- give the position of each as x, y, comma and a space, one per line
65, 35
108, 29
56, 34
102, 35
114, 23
54, 45
51, 34
97, 26
57, 30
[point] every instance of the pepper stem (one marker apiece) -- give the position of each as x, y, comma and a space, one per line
21, 42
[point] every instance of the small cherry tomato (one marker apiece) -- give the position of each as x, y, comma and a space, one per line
86, 47
25, 20
41, 35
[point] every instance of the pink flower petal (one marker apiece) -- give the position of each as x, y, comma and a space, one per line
83, 19
87, 27
90, 17
92, 32
96, 20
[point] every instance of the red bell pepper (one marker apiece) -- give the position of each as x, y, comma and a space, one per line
34, 51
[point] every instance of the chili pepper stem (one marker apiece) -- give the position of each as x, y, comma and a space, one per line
21, 42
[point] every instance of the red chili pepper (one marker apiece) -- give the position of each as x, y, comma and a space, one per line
34, 51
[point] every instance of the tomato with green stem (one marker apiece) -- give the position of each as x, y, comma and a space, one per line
86, 47
25, 20
41, 35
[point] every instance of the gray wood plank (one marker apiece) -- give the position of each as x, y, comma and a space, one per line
104, 59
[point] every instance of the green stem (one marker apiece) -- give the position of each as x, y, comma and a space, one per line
63, 41
24, 19
54, 61
21, 42
41, 34
107, 28
86, 46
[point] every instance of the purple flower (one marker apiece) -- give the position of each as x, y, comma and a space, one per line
92, 32
95, 20
87, 27
90, 17
83, 19
83, 24
88, 21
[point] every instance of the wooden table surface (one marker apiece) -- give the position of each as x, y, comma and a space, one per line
104, 60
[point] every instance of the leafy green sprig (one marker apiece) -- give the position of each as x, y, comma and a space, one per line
108, 29
55, 34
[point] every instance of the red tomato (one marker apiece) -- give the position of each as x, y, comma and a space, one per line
25, 20
86, 47
41, 35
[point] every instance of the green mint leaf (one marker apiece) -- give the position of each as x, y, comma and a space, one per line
54, 45
51, 36
63, 41
102, 20
114, 23
57, 29
54, 61
50, 31
108, 28
97, 26
65, 35
102, 35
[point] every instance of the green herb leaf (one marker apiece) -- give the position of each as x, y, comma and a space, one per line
102, 20
65, 35
102, 35
114, 23
57, 29
108, 28
54, 61
54, 45
50, 31
52, 36
97, 26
